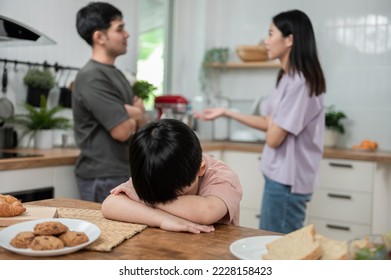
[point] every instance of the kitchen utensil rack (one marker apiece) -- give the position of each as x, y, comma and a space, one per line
56, 66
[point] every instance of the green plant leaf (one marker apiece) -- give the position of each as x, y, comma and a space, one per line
36, 78
40, 118
333, 119
144, 89
214, 55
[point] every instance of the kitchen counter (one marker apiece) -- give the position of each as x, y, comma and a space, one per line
50, 157
343, 154
166, 245
60, 156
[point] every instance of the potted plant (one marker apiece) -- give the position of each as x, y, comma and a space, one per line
214, 55
144, 89
334, 127
39, 82
40, 122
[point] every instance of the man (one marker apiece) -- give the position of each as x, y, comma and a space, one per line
105, 111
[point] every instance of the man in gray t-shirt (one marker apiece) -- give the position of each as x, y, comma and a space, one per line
105, 111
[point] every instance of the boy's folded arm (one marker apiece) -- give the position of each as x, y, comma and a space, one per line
204, 210
121, 208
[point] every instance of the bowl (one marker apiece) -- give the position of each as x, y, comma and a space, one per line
370, 247
249, 53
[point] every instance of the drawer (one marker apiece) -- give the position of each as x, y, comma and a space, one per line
25, 179
339, 230
249, 218
347, 174
339, 205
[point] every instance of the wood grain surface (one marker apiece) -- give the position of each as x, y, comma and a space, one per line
32, 213
153, 243
59, 156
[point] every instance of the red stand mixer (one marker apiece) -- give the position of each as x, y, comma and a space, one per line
173, 107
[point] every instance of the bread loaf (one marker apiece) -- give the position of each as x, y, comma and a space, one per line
10, 206
332, 249
298, 245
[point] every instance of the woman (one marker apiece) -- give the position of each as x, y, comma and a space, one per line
293, 119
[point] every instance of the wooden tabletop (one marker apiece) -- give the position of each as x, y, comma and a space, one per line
153, 243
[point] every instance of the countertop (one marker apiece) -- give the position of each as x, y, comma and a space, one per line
165, 246
61, 156
49, 157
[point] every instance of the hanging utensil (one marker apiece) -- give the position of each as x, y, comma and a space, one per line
6, 106
65, 98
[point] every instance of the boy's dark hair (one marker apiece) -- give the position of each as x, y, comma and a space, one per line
164, 156
95, 16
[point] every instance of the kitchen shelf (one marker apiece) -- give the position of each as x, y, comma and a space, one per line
246, 65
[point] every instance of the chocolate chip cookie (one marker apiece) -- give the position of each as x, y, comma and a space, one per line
73, 238
46, 242
22, 239
50, 228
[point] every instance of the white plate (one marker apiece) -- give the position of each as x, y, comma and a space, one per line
91, 230
251, 248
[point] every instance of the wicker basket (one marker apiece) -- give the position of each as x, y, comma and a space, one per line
252, 53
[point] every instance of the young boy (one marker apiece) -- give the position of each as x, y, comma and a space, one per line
174, 186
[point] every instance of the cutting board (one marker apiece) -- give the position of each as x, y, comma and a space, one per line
32, 213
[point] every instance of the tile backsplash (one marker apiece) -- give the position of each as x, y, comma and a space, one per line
354, 46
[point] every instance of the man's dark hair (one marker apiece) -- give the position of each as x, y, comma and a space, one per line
95, 16
164, 156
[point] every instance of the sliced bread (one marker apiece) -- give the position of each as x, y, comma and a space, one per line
298, 245
333, 249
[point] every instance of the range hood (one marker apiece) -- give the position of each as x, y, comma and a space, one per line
14, 33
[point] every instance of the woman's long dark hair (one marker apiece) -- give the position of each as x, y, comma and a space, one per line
303, 57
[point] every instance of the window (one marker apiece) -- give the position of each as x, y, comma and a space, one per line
153, 34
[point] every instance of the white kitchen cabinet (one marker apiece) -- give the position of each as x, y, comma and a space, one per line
352, 199
64, 181
381, 213
61, 178
26, 179
246, 165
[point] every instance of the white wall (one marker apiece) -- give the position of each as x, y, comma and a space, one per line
355, 54
354, 44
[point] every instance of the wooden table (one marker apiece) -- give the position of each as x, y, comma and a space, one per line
153, 243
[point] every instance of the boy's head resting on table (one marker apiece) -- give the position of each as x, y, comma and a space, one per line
165, 160
174, 186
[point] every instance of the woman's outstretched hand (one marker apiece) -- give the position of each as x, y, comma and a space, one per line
210, 113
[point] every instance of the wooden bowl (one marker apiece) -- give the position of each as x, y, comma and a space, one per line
248, 53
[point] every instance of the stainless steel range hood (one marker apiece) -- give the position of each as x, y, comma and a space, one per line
14, 33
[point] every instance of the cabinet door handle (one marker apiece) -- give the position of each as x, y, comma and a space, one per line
343, 165
257, 216
342, 196
338, 227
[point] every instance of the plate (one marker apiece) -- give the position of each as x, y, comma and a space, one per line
251, 248
91, 230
